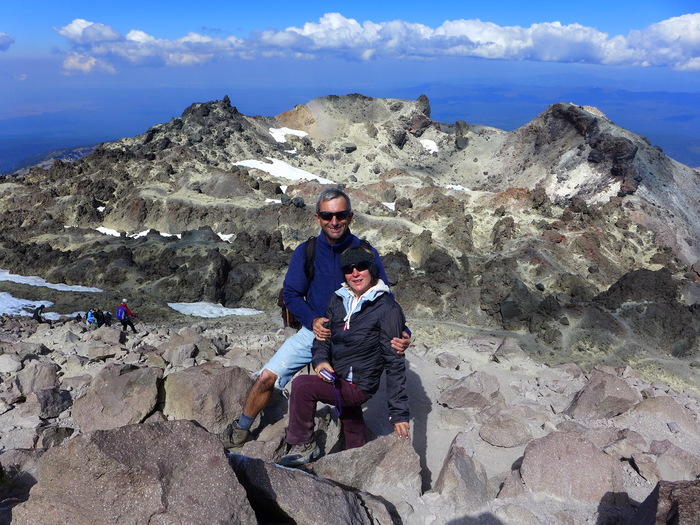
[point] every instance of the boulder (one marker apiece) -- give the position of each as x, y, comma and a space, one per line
566, 466
176, 356
37, 375
603, 396
462, 480
670, 411
46, 403
119, 395
387, 467
211, 394
477, 390
10, 363
507, 428
158, 473
286, 495
673, 463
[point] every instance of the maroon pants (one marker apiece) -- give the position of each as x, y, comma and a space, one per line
309, 389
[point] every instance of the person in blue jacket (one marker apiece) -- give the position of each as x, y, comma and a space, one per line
307, 300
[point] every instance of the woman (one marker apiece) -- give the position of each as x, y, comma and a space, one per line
364, 317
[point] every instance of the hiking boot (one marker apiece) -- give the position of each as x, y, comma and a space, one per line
233, 436
300, 454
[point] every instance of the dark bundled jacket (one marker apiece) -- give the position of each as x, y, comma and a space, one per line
361, 345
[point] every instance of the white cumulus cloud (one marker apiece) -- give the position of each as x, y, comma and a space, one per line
6, 41
81, 31
673, 43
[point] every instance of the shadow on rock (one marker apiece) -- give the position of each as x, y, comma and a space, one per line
481, 519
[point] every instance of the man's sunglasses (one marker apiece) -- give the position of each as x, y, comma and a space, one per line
361, 267
328, 215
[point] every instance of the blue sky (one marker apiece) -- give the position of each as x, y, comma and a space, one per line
88, 71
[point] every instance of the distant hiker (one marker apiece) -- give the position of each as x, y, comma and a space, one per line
99, 317
39, 313
108, 318
125, 316
307, 298
90, 318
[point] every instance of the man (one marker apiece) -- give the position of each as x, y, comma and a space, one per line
307, 300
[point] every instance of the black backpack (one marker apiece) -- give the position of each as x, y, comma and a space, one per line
287, 316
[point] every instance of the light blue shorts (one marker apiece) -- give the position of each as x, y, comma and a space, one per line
292, 356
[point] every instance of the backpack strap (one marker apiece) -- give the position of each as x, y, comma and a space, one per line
310, 258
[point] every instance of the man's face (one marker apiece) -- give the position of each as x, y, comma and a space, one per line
334, 227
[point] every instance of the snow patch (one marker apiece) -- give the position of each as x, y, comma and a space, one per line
279, 133
429, 145
210, 310
278, 168
5, 275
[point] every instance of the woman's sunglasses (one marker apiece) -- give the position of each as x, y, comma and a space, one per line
361, 267
328, 215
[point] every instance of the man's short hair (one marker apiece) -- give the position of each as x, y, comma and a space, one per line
332, 193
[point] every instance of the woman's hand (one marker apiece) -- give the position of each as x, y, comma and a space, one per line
400, 344
320, 331
402, 429
323, 366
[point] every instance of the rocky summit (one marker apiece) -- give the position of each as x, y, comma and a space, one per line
550, 275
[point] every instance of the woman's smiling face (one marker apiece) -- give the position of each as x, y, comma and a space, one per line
359, 280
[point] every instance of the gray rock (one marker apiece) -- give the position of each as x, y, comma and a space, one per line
669, 410
448, 360
47, 403
291, 495
156, 473
462, 480
567, 466
507, 428
211, 394
177, 356
477, 390
20, 469
603, 396
10, 363
37, 375
119, 395
673, 463
387, 467
516, 515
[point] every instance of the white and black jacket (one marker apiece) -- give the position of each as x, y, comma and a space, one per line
359, 348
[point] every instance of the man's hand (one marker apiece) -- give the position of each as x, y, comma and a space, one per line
402, 429
400, 344
320, 331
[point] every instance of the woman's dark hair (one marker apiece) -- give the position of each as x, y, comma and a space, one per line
360, 254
